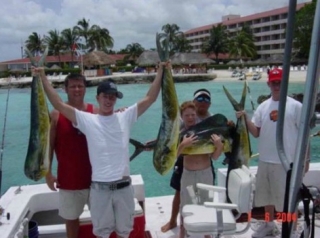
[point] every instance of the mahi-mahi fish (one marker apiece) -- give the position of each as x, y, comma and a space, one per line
37, 160
165, 150
216, 124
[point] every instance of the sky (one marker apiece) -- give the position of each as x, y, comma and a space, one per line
128, 21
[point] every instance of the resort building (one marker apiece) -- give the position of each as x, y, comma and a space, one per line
268, 29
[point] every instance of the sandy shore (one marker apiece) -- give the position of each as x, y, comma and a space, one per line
295, 76
221, 75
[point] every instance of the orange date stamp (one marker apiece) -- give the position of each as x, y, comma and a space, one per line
281, 217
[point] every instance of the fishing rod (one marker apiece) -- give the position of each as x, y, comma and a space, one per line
4, 132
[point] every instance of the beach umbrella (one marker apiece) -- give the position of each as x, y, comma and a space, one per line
148, 58
97, 58
232, 62
55, 67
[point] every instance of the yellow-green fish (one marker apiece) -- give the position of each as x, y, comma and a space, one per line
165, 150
37, 160
216, 124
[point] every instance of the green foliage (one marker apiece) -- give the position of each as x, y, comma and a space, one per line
35, 44
303, 29
217, 42
134, 50
173, 32
181, 45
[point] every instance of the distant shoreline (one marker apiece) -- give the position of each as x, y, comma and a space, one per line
138, 78
122, 78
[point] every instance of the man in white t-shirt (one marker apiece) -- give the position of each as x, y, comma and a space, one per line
107, 133
271, 176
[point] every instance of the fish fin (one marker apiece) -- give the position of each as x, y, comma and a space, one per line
43, 57
244, 95
139, 147
163, 51
30, 56
32, 59
237, 106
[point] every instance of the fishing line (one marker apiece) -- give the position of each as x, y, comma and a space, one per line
4, 132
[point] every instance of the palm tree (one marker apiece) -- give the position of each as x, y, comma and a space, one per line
69, 39
99, 38
134, 50
217, 42
83, 28
247, 29
55, 43
173, 32
34, 44
242, 46
181, 45
96, 38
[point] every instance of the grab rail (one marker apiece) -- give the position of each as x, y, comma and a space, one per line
296, 169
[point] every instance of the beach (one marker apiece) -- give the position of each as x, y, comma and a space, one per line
295, 76
216, 75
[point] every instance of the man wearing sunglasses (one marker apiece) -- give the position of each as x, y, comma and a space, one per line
202, 100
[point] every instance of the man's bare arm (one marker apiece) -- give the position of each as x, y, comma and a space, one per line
154, 90
53, 96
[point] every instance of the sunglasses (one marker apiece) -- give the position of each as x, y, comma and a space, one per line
203, 99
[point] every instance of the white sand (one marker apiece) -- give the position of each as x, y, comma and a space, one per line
294, 76
222, 75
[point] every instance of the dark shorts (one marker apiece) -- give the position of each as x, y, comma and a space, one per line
177, 174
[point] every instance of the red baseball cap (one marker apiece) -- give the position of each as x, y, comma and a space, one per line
275, 75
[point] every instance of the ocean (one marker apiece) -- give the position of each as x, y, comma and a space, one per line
16, 133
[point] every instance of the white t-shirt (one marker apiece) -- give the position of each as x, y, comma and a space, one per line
108, 142
265, 117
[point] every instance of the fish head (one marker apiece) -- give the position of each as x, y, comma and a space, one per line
164, 160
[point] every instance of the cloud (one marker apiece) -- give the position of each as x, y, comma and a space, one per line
128, 21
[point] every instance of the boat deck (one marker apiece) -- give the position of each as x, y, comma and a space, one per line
33, 200
158, 211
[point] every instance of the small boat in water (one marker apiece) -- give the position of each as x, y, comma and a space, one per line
256, 76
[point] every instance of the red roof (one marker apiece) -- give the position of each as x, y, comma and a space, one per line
246, 18
55, 59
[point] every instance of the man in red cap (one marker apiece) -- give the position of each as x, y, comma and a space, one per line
271, 176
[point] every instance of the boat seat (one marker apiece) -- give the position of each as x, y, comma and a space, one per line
216, 217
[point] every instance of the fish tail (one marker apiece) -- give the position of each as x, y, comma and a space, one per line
139, 147
237, 106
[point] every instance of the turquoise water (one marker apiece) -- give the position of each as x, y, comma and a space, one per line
18, 121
